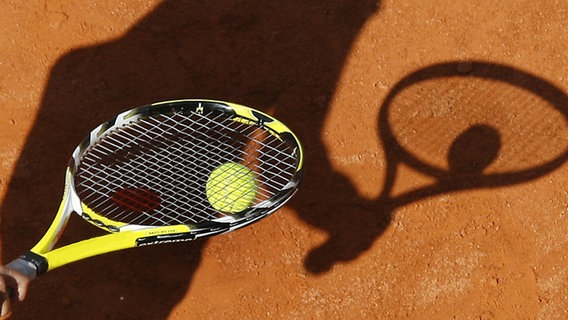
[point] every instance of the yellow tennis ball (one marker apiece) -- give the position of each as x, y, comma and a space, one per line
231, 187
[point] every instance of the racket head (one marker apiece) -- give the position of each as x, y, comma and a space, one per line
148, 167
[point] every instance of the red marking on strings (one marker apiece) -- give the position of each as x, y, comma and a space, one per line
137, 199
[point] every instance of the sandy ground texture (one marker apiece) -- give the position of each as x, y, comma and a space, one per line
436, 136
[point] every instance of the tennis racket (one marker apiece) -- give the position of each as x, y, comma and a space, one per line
142, 176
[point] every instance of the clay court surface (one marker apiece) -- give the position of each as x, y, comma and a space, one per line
436, 139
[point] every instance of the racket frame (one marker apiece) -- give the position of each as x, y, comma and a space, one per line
43, 257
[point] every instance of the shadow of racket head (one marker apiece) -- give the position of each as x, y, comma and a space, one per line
472, 125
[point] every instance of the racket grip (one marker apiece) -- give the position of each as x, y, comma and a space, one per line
24, 267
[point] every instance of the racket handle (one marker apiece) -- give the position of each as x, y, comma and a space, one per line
24, 267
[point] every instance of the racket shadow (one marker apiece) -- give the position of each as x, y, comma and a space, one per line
262, 55
468, 156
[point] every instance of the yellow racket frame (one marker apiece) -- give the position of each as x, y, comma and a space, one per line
43, 257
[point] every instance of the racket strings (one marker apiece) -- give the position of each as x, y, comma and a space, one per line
154, 170
276, 161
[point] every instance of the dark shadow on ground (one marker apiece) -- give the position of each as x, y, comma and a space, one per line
283, 57
353, 231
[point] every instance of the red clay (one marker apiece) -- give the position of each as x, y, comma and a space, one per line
436, 138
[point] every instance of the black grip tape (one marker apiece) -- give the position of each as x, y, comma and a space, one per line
38, 261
